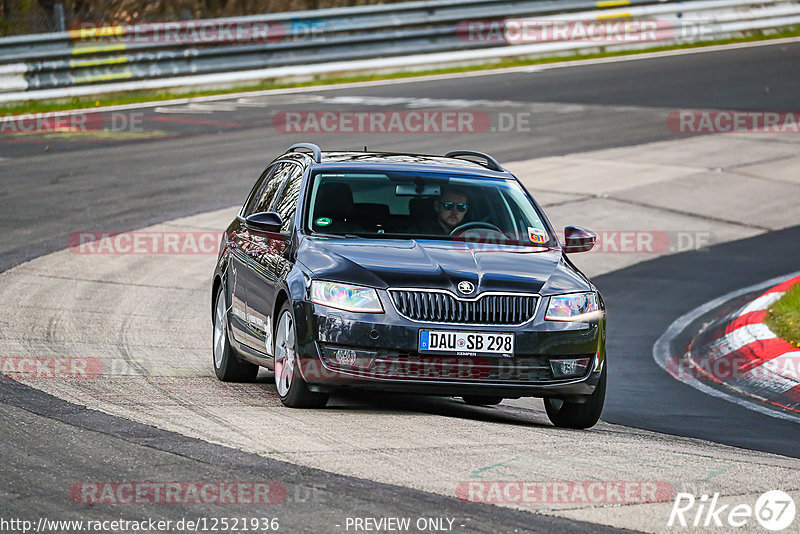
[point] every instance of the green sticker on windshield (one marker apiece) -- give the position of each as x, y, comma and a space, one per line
323, 221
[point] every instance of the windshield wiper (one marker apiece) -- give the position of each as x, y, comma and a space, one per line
323, 234
338, 236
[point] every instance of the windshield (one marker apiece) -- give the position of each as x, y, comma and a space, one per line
424, 206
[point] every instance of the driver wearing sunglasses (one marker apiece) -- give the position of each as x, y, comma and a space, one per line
451, 208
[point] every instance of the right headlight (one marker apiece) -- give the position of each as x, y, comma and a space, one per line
345, 297
573, 307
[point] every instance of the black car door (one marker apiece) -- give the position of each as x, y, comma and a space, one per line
237, 243
246, 247
236, 284
271, 264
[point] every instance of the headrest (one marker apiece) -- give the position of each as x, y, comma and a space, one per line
420, 207
334, 200
372, 211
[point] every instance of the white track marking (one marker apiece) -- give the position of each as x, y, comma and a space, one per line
762, 303
743, 336
180, 109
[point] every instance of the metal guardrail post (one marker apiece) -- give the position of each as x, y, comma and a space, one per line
58, 17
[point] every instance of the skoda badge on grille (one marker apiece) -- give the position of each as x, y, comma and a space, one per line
466, 287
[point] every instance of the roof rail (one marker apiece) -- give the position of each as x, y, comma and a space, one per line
490, 161
310, 146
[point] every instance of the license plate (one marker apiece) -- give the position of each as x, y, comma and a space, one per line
466, 342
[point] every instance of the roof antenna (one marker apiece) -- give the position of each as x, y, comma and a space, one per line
365, 148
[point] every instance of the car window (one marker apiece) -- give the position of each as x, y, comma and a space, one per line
286, 204
424, 206
265, 194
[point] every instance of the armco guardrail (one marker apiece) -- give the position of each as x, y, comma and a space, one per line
386, 36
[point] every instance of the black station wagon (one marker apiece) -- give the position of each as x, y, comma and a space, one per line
431, 275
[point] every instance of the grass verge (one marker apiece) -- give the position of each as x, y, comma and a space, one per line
783, 317
132, 97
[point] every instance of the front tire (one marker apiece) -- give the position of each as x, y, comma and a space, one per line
292, 389
566, 414
227, 366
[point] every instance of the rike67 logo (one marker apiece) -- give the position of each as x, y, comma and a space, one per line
774, 510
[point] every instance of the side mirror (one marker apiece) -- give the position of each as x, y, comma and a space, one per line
265, 221
577, 239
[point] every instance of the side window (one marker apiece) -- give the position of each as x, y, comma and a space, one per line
262, 199
287, 202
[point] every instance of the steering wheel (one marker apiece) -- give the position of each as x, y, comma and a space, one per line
476, 224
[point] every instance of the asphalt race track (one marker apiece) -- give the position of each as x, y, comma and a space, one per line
684, 282
88, 445
195, 158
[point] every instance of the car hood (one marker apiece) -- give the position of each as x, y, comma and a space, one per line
439, 265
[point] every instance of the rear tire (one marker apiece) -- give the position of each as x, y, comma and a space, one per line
292, 389
482, 400
227, 365
566, 414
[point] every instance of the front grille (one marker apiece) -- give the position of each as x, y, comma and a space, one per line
443, 307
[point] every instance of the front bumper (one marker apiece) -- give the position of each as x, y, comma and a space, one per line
391, 360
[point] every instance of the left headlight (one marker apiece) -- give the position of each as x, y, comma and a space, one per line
345, 297
573, 307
